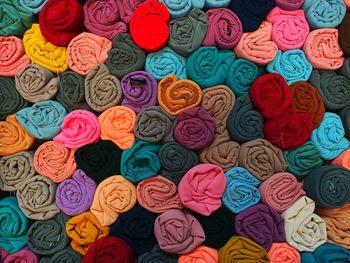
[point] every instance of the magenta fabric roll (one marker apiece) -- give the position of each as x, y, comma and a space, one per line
24, 255
3, 254
289, 4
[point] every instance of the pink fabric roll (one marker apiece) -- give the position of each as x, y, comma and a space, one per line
24, 255
289, 4
283, 253
127, 8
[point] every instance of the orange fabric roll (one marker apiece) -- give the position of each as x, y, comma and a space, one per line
283, 253
201, 254
343, 160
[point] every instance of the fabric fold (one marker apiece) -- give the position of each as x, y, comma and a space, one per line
178, 9
33, 6
345, 117
289, 4
65, 255
157, 255
201, 253
326, 252
342, 160
283, 253
25, 254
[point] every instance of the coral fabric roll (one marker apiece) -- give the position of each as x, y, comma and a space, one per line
344, 37
283, 253
200, 254
342, 160
24, 254
289, 4
327, 252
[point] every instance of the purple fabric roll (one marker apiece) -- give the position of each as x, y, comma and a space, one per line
140, 90
195, 128
74, 196
289, 4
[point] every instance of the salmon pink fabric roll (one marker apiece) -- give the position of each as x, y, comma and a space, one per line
283, 253
347, 3
343, 160
200, 254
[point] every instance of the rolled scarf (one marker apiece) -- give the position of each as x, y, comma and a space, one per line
195, 128
108, 249
347, 3
48, 237
113, 196
43, 120
99, 160
283, 253
102, 89
342, 160
345, 117
329, 137
244, 123
241, 190
183, 239
14, 225
208, 66
14, 138
125, 56
344, 37
304, 230
178, 8
84, 229
224, 28
289, 28
202, 187
261, 158
201, 253
74, 195
345, 68
302, 159
79, 127
44, 53
157, 255
187, 33
136, 228
12, 57
23, 255
289, 4
65, 255
85, 51
149, 26
32, 6
327, 253
175, 96
141, 161
176, 160
324, 13
140, 90
257, 46
100, 20
292, 65
36, 83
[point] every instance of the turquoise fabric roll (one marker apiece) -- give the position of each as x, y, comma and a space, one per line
292, 65
43, 120
33, 6
165, 62
13, 227
326, 253
177, 8
216, 3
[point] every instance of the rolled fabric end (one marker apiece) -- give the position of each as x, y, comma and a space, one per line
282, 252
289, 4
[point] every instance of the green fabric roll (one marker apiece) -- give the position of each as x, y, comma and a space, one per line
67, 255
345, 118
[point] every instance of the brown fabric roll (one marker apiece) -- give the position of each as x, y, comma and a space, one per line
344, 36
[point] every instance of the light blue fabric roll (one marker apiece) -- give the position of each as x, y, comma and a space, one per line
177, 8
326, 253
217, 3
33, 6
199, 4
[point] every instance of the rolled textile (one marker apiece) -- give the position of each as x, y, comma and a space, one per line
342, 160
261, 158
14, 225
99, 20
42, 52
99, 160
136, 228
63, 256
257, 46
75, 195
117, 125
345, 117
32, 6
324, 13
292, 65
202, 187
13, 137
127, 8
24, 255
327, 253
125, 56
195, 128
140, 90
187, 235
345, 68
344, 37
149, 25
48, 237
304, 230
302, 159
289, 4
347, 3
79, 128
283, 253
329, 137
201, 253
178, 8
244, 123
102, 89
176, 160
141, 161
175, 96
85, 51
208, 66
157, 255
84, 229
187, 33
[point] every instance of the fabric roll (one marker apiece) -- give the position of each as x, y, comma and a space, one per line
283, 253
201, 253
187, 33
208, 66
79, 128
98, 160
24, 255
140, 90
75, 195
183, 239
212, 4
175, 95
289, 28
84, 229
345, 68
157, 255
65, 255
342, 160
305, 230
261, 158
347, 3
244, 123
42, 52
14, 228
127, 8
141, 161
289, 4
102, 89
345, 117
177, 8
344, 37
257, 46
326, 253
33, 7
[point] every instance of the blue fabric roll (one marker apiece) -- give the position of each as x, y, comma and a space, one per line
33, 6
326, 253
216, 3
177, 8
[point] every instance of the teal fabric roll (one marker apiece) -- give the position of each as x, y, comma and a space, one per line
327, 253
13, 227
216, 3
292, 65
43, 120
33, 6
67, 255
177, 8
345, 117
209, 67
